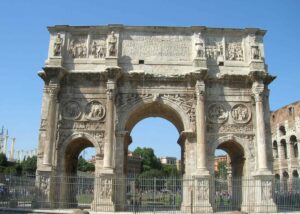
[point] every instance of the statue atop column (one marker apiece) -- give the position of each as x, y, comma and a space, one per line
254, 48
200, 46
58, 45
112, 44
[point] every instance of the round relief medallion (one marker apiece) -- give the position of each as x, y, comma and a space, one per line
240, 113
95, 110
217, 113
71, 110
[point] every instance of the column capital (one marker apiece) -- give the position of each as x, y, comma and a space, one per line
258, 89
200, 89
52, 89
52, 75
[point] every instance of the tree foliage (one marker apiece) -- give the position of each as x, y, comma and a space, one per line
29, 165
150, 161
85, 166
170, 170
222, 170
3, 160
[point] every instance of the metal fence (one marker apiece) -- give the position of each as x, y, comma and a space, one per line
140, 194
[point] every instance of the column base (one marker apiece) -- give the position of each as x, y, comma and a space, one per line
106, 171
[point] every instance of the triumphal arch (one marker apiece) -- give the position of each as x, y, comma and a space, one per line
211, 83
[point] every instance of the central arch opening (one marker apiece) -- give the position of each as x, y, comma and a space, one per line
153, 180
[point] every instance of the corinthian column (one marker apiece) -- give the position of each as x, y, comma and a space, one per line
49, 99
201, 127
258, 92
108, 145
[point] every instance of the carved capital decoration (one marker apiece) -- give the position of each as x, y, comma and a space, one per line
51, 90
71, 110
95, 110
258, 91
217, 113
200, 90
240, 113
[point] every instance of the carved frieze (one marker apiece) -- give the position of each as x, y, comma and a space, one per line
234, 50
230, 128
94, 110
217, 113
130, 99
98, 46
78, 46
106, 186
214, 49
240, 113
71, 110
185, 101
80, 125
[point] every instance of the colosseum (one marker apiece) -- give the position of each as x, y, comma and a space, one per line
285, 125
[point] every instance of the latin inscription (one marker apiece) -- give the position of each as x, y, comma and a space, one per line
143, 46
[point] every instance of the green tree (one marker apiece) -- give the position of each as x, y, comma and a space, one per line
150, 161
85, 166
222, 170
29, 165
170, 170
3, 160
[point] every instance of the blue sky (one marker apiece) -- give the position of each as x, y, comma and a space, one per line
24, 43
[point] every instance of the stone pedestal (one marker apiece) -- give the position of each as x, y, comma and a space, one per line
196, 195
200, 63
264, 202
104, 193
111, 61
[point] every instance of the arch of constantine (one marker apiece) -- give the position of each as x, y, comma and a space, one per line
211, 83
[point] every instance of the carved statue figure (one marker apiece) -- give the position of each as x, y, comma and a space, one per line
200, 46
72, 49
58, 45
94, 49
255, 53
112, 42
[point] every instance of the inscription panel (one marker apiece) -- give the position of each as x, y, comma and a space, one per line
150, 46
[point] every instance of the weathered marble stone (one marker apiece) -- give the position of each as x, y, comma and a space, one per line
100, 81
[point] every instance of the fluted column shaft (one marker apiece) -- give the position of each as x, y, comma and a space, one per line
201, 126
50, 95
258, 91
108, 145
